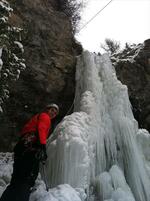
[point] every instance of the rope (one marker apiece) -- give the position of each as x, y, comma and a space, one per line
95, 16
70, 108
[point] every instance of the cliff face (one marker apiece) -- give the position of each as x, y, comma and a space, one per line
133, 69
50, 51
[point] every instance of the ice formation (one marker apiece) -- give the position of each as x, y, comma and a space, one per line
62, 192
98, 154
6, 169
97, 149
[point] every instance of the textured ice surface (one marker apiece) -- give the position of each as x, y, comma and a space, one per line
62, 192
100, 133
71, 146
6, 162
99, 149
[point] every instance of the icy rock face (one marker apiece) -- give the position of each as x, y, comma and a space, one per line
97, 144
133, 68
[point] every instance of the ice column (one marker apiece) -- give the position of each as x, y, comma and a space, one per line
98, 136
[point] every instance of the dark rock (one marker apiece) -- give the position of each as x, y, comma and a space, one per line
133, 69
50, 54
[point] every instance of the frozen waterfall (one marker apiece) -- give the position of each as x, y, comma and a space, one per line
97, 148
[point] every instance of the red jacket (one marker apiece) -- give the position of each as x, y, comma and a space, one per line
41, 123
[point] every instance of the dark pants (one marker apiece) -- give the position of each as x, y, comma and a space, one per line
25, 172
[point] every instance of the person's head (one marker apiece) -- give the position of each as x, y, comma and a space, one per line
53, 110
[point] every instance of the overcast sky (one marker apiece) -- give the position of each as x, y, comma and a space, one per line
122, 20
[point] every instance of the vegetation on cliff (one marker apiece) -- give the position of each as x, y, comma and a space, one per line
11, 51
72, 9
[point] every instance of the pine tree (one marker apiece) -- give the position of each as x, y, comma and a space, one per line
11, 52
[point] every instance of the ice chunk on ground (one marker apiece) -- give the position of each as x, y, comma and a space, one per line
62, 192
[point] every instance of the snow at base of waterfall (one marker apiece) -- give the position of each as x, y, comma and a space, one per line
63, 192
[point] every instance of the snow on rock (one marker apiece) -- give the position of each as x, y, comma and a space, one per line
6, 168
4, 19
6, 161
5, 5
125, 55
19, 44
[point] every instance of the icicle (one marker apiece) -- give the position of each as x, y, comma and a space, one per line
99, 139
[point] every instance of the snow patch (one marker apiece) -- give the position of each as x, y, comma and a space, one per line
19, 44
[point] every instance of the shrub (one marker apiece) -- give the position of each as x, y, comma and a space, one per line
110, 46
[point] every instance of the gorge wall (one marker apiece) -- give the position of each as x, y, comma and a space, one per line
49, 51
133, 69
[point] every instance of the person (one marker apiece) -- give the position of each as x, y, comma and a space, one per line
28, 153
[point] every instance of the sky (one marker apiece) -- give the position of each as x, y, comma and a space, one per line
122, 20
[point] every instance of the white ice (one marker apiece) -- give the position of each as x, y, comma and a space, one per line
98, 149
100, 133
60, 193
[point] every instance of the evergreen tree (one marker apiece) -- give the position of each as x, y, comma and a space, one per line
11, 52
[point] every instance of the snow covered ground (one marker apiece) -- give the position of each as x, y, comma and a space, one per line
6, 169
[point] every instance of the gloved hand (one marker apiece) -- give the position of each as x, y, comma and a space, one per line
41, 154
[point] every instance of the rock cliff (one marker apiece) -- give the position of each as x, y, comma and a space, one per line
50, 54
133, 69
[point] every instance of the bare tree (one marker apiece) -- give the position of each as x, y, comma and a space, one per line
110, 46
72, 8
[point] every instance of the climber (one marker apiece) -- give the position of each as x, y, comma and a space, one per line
28, 153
